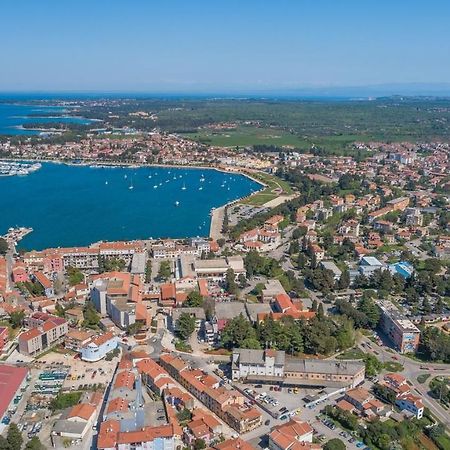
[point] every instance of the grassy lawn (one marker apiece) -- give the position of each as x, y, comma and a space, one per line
65, 400
272, 190
353, 353
422, 378
245, 136
444, 441
182, 346
259, 199
392, 366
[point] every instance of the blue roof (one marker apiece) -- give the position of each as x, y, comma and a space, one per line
403, 268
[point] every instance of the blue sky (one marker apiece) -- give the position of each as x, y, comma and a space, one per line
220, 45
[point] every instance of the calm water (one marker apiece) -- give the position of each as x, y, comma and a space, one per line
78, 205
12, 117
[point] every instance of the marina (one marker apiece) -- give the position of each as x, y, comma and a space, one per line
75, 205
17, 168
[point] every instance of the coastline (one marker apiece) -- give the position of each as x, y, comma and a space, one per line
216, 215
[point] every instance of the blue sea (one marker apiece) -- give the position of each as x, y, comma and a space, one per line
14, 116
77, 205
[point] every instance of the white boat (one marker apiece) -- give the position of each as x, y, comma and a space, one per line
155, 186
200, 188
106, 182
131, 185
202, 178
183, 188
125, 176
177, 203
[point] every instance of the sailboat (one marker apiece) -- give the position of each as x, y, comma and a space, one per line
131, 185
183, 187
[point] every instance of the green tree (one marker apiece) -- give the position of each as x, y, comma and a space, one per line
75, 275
194, 299
334, 444
298, 233
91, 317
4, 444
34, 444
65, 400
236, 331
384, 393
184, 415
320, 311
59, 310
251, 342
14, 437
148, 271
345, 334
16, 318
3, 246
134, 328
199, 444
164, 270
435, 344
373, 365
371, 310
230, 282
185, 326
344, 280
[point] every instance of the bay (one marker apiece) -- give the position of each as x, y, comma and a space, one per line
14, 116
70, 205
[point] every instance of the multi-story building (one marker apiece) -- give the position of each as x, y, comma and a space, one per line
98, 347
259, 366
257, 363
119, 295
38, 339
403, 334
404, 398
228, 404
76, 339
47, 285
292, 435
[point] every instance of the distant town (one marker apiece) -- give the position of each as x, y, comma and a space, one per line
315, 314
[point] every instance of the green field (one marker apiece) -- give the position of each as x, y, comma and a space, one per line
327, 126
246, 136
272, 183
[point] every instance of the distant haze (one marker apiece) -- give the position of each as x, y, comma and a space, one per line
286, 47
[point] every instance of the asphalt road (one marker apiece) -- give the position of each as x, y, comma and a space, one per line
412, 369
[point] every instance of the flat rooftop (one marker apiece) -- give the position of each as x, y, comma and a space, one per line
323, 366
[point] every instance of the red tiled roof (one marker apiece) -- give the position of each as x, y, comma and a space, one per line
11, 377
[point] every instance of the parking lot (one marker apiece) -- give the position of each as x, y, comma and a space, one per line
284, 403
82, 374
